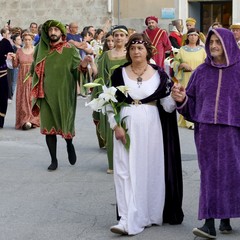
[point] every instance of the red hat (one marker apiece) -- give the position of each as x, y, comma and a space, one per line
151, 18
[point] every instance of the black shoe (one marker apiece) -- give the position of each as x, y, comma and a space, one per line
225, 226
53, 166
71, 154
1, 121
205, 232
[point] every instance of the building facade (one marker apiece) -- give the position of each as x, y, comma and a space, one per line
105, 13
204, 11
84, 12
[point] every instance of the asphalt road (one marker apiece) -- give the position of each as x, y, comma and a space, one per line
76, 202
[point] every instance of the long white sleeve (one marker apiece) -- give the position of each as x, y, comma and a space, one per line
111, 118
9, 63
168, 103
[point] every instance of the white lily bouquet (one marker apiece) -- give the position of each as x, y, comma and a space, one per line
107, 102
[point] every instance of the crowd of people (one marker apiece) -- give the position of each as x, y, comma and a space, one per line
48, 65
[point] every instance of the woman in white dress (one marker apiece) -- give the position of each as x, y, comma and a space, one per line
145, 193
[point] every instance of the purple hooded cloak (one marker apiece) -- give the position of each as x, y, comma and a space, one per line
213, 104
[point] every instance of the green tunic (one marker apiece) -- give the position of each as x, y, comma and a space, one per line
58, 106
105, 64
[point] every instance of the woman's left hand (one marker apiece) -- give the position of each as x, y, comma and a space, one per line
120, 134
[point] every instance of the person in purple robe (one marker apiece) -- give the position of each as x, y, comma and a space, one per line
211, 100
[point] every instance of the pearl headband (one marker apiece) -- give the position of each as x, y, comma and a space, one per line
139, 42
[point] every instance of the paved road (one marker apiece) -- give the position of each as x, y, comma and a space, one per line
76, 202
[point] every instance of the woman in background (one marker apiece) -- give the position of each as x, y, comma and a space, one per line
23, 60
108, 42
97, 42
189, 57
109, 59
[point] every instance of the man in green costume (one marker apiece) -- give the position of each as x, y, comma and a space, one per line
55, 71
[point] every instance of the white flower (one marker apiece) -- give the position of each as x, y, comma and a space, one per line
92, 85
97, 104
108, 94
107, 102
123, 89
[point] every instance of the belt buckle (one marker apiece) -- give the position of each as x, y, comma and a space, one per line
136, 102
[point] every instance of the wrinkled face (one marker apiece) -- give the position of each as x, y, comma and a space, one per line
54, 34
119, 38
138, 53
152, 24
190, 25
216, 48
236, 33
110, 42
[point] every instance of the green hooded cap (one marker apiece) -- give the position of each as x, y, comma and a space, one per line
54, 23
43, 47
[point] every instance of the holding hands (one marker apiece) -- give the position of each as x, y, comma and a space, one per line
9, 59
11, 56
178, 92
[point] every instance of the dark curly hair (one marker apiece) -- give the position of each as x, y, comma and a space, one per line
139, 38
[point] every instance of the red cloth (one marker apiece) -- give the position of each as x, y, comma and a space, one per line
177, 37
161, 42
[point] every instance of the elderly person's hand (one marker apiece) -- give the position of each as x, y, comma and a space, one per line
178, 92
120, 134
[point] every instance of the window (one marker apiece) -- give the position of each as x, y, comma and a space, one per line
215, 12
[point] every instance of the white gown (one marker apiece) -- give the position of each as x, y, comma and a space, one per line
139, 173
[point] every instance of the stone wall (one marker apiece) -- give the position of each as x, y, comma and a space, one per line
85, 12
133, 13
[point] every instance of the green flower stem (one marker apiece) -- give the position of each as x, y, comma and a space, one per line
115, 112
